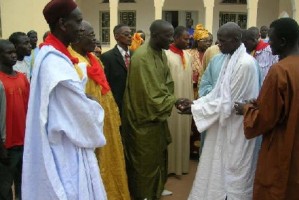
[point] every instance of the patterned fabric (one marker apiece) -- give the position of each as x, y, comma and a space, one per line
265, 58
200, 32
127, 60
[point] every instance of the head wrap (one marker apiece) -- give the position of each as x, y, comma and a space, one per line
56, 9
136, 41
200, 32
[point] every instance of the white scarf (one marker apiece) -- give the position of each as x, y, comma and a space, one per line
221, 94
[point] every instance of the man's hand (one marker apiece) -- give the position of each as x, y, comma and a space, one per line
239, 108
184, 105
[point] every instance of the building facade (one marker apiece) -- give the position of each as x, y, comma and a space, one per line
25, 15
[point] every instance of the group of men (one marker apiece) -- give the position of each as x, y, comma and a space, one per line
65, 117
234, 163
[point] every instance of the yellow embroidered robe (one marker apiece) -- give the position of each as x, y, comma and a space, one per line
111, 156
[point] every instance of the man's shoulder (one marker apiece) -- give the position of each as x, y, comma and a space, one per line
247, 59
142, 52
51, 62
109, 52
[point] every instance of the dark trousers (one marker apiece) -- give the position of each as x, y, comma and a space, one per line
11, 173
6, 181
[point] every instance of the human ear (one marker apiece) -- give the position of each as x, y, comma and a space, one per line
61, 24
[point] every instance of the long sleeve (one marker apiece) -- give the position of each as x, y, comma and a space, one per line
270, 107
244, 85
153, 94
68, 104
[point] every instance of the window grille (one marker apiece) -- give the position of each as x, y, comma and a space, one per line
125, 17
239, 18
105, 28
128, 18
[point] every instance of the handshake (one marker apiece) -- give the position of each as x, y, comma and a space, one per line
183, 105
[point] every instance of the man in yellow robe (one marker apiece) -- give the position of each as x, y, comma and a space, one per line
111, 157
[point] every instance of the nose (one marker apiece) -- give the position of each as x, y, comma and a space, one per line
14, 55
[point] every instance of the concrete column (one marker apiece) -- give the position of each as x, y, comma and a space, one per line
252, 6
158, 8
209, 6
295, 7
113, 7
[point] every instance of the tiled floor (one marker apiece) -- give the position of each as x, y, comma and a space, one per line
181, 185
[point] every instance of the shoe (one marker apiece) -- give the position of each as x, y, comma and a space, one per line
166, 193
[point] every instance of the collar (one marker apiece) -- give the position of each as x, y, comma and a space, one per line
122, 51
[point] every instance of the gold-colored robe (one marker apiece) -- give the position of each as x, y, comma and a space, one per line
111, 156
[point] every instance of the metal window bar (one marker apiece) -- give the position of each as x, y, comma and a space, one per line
239, 18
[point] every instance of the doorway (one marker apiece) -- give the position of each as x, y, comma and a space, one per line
172, 17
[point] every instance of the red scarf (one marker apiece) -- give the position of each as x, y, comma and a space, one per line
260, 46
174, 49
59, 46
95, 72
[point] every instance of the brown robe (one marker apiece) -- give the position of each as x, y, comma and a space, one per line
276, 117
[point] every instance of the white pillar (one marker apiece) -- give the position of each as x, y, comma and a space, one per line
113, 6
295, 6
209, 6
158, 8
252, 6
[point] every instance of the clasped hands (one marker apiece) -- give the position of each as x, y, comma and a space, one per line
239, 106
184, 105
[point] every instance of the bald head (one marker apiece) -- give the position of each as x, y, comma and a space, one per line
87, 42
161, 34
250, 38
158, 26
86, 25
253, 32
229, 37
232, 30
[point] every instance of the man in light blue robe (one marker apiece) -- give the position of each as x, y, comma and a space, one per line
63, 125
210, 76
228, 160
209, 80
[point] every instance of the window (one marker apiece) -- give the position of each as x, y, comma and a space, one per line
105, 28
128, 18
235, 1
239, 18
125, 17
